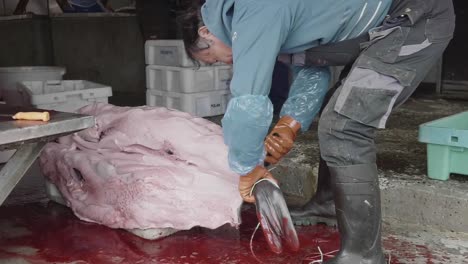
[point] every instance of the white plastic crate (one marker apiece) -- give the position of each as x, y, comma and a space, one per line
170, 52
167, 53
199, 104
10, 76
188, 80
65, 96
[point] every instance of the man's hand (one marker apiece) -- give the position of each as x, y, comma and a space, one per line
281, 139
246, 182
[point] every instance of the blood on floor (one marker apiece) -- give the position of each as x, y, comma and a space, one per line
50, 233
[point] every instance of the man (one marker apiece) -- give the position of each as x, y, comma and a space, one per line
395, 44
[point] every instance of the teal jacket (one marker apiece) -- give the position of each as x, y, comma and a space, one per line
258, 31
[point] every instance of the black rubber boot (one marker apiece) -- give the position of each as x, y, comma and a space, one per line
357, 199
321, 208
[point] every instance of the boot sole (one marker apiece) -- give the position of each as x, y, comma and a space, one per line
314, 220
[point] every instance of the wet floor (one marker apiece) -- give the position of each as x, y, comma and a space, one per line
49, 233
34, 230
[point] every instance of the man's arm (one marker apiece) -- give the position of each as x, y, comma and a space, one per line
258, 32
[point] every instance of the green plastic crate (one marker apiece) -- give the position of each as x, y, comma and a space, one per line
447, 146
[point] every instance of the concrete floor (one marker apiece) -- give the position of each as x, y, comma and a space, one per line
408, 195
424, 220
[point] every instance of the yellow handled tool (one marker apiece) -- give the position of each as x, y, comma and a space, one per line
36, 116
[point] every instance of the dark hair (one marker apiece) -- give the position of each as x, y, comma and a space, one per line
190, 21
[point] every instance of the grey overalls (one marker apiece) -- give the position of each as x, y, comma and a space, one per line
386, 70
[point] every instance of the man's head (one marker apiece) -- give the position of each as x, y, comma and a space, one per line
200, 43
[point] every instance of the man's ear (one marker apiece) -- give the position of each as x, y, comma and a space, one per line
203, 32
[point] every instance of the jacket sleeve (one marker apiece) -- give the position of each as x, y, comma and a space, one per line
306, 94
258, 32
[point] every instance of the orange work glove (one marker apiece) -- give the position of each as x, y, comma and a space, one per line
281, 139
246, 182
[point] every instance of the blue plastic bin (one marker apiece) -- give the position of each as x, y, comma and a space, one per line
447, 146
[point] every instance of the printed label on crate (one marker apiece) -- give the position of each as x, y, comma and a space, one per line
210, 105
168, 55
167, 52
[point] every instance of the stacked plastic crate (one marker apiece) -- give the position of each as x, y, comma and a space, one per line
174, 81
62, 95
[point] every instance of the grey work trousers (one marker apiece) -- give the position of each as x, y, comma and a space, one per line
390, 66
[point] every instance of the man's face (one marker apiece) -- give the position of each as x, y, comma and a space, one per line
210, 49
